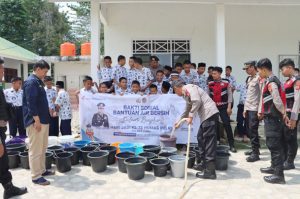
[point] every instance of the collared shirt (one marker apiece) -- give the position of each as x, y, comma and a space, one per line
232, 81
154, 70
253, 93
203, 82
120, 91
35, 101
242, 89
130, 76
198, 101
143, 76
14, 97
118, 72
92, 90
159, 85
51, 96
191, 78
105, 74
63, 101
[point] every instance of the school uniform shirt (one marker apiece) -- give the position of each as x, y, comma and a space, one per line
191, 78
130, 76
105, 74
242, 89
118, 72
14, 97
154, 70
63, 100
120, 91
159, 85
143, 76
138, 93
253, 93
232, 81
92, 90
51, 93
203, 81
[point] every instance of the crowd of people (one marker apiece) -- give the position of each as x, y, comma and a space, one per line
37, 106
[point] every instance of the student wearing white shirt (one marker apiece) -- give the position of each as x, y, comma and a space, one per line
63, 106
51, 97
87, 87
136, 88
14, 97
105, 73
159, 80
143, 75
122, 89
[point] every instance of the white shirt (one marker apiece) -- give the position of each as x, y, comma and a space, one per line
92, 90
14, 97
143, 76
105, 74
51, 94
63, 100
120, 91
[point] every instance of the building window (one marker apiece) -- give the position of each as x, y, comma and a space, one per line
9, 73
169, 52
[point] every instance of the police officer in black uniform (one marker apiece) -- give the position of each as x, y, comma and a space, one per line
100, 119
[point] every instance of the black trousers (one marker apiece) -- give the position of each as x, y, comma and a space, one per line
53, 126
65, 127
290, 143
5, 175
16, 124
241, 124
252, 124
274, 140
207, 138
226, 123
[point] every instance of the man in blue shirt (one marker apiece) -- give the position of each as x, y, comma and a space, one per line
36, 121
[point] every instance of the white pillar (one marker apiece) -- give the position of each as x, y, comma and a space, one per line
220, 35
25, 70
95, 38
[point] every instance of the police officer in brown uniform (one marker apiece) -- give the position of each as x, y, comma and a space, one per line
274, 113
292, 91
197, 101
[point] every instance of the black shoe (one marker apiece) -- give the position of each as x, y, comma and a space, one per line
268, 170
232, 149
208, 173
248, 152
276, 178
11, 191
288, 165
253, 158
199, 167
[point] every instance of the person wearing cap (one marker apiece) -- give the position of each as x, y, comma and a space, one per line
63, 106
199, 103
14, 97
100, 119
251, 109
155, 66
51, 97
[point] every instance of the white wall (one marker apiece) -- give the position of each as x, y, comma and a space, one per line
13, 64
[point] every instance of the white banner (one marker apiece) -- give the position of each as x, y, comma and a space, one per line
133, 118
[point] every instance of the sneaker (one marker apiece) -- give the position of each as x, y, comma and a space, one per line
41, 181
48, 173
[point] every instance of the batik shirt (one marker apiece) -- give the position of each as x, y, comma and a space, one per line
105, 74
191, 78
159, 85
63, 100
232, 81
118, 72
51, 94
203, 82
14, 97
131, 76
120, 91
143, 76
242, 89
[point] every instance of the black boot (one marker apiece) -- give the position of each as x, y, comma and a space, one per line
250, 152
288, 165
200, 166
10, 191
254, 156
268, 170
209, 172
276, 178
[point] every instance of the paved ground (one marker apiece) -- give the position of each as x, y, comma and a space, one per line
241, 180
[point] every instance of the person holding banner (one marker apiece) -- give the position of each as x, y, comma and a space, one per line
198, 101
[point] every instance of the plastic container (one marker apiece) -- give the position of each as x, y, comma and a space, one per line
148, 156
81, 143
192, 159
127, 147
16, 147
67, 49
66, 141
24, 159
116, 144
169, 149
98, 160
160, 166
135, 167
152, 148
13, 159
167, 141
224, 148
177, 163
112, 150
138, 148
85, 151
121, 157
75, 154
85, 49
48, 162
63, 161
222, 158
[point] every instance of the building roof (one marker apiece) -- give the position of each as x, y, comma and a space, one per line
13, 51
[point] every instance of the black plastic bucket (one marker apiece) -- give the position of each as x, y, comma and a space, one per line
152, 148
55, 149
192, 159
222, 158
148, 156
121, 157
160, 166
24, 159
63, 161
85, 151
49, 157
13, 159
224, 148
135, 167
112, 153
76, 154
16, 147
98, 160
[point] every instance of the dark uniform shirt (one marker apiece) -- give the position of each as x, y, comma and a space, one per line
100, 120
